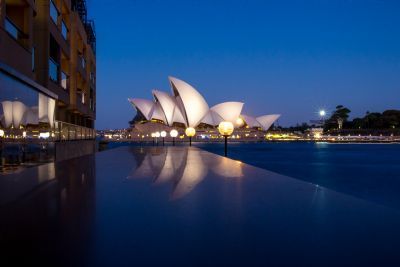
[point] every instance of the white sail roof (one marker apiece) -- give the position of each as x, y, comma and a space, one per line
143, 105
192, 102
228, 111
157, 112
250, 121
167, 104
188, 106
267, 120
212, 118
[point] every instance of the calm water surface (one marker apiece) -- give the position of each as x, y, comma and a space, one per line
368, 171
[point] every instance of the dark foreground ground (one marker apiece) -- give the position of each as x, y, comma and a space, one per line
183, 206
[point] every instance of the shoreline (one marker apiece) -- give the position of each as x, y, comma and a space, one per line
168, 142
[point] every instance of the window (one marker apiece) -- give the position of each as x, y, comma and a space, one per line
64, 30
53, 70
64, 80
33, 58
12, 29
53, 12
82, 61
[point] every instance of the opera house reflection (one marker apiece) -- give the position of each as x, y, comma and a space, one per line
185, 168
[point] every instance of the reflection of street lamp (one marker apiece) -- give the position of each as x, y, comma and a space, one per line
225, 128
190, 132
173, 133
163, 135
157, 135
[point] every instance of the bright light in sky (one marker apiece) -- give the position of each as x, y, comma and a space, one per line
322, 113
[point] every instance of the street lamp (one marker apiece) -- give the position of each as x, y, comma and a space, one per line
190, 132
153, 136
163, 135
322, 114
157, 135
225, 128
239, 122
173, 133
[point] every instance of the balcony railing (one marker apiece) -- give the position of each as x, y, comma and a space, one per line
53, 70
67, 131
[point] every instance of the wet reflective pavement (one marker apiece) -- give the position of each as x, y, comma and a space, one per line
185, 206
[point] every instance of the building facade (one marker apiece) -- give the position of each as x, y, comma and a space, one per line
47, 71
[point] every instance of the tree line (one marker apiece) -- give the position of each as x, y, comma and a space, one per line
389, 119
338, 121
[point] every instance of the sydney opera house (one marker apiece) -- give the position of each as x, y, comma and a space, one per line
186, 107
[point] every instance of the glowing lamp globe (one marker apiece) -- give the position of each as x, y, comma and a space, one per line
1, 133
225, 128
44, 135
173, 133
190, 132
239, 121
157, 134
153, 135
163, 134
322, 113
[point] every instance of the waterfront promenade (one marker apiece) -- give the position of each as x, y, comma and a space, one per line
185, 206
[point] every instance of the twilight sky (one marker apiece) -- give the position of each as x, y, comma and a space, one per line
287, 57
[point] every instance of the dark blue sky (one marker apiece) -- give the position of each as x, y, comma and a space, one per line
288, 57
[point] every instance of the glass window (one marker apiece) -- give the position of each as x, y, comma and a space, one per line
22, 108
53, 12
12, 29
33, 58
83, 61
64, 30
64, 80
53, 70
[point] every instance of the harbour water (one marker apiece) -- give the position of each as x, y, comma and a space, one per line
367, 171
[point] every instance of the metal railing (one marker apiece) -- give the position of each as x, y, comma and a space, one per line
66, 131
